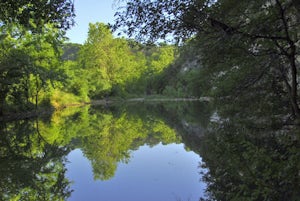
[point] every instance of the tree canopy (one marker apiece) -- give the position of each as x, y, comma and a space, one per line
31, 33
183, 18
244, 46
34, 14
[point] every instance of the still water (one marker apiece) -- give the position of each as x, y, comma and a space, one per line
149, 152
161, 172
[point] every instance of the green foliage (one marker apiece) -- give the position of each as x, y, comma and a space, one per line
35, 14
76, 82
104, 60
160, 58
244, 49
60, 99
31, 34
29, 66
70, 51
182, 77
116, 67
152, 19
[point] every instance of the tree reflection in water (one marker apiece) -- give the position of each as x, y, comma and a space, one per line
31, 168
247, 161
244, 160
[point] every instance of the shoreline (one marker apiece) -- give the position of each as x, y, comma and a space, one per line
22, 115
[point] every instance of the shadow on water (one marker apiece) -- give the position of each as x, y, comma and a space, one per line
240, 159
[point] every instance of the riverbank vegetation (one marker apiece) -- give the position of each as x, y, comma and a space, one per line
242, 55
249, 52
31, 34
42, 70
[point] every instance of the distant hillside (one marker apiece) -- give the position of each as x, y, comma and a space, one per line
70, 51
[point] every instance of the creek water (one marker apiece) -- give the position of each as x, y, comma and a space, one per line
145, 151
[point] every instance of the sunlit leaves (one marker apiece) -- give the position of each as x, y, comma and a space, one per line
35, 14
243, 45
108, 61
29, 65
116, 66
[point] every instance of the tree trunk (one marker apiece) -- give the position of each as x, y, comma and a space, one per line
294, 84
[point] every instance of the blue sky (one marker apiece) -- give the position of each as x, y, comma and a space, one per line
90, 11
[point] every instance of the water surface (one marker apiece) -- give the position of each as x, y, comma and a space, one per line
172, 151
162, 172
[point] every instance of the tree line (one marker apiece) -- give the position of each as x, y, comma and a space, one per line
30, 37
38, 68
248, 51
107, 66
234, 51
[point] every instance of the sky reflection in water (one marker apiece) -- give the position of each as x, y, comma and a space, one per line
159, 173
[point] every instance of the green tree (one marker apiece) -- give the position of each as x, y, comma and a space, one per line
30, 35
29, 65
233, 36
160, 58
108, 62
92, 58
151, 61
35, 14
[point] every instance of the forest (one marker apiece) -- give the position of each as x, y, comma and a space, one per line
40, 69
242, 57
247, 53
